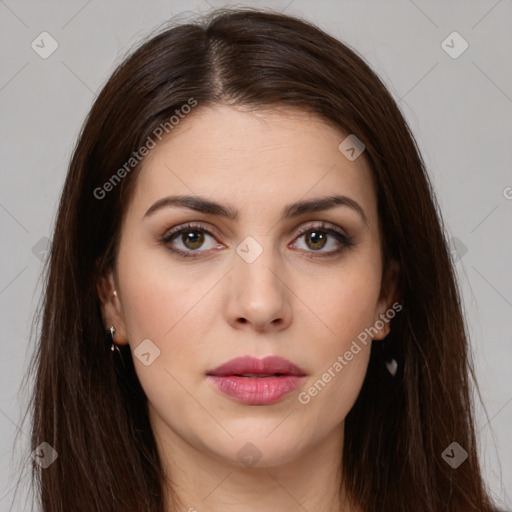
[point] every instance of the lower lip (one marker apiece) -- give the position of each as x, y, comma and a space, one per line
256, 391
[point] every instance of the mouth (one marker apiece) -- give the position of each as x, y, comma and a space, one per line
252, 367
258, 375
253, 381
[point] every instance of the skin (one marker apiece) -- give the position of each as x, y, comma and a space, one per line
296, 304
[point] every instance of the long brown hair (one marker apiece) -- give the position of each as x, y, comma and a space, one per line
90, 409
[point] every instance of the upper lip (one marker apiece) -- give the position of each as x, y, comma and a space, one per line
250, 365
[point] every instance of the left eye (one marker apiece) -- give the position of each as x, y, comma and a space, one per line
192, 237
317, 238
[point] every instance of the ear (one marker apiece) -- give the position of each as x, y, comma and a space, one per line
111, 308
388, 297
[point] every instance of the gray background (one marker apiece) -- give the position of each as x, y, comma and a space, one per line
458, 108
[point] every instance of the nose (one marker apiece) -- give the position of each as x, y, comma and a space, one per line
259, 296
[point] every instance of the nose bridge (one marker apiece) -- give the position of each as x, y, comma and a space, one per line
259, 294
256, 263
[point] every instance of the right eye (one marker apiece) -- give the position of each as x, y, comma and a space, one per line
191, 237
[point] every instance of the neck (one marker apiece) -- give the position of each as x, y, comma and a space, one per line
203, 481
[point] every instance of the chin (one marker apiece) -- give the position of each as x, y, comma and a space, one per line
259, 450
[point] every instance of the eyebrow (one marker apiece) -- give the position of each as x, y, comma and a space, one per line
203, 205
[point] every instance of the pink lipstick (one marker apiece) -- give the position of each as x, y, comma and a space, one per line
253, 381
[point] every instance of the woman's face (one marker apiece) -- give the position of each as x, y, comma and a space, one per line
251, 285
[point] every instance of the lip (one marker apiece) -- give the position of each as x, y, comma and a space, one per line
268, 380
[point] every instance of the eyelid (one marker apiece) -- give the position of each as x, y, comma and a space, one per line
189, 225
211, 231
322, 225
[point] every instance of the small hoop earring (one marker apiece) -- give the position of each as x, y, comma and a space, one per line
113, 346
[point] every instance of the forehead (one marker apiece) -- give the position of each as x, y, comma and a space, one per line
254, 160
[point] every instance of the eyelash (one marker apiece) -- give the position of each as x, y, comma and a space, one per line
323, 227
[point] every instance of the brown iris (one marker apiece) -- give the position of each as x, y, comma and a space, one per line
194, 237
318, 239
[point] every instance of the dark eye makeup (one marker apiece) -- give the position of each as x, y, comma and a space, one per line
320, 232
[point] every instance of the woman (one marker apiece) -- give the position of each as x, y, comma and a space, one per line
248, 219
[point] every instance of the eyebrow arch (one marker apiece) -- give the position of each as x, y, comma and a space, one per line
203, 205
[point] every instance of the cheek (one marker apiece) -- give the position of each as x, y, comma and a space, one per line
346, 304
164, 305
341, 354
178, 310
346, 307
159, 295
330, 394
